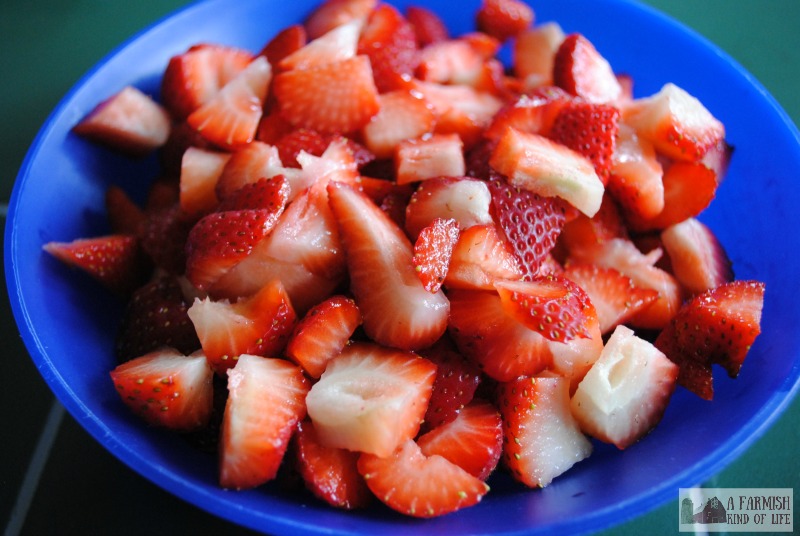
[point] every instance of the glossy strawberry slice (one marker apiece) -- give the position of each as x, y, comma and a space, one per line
533, 113
284, 43
695, 376
534, 53
432, 252
115, 261
480, 257
696, 256
336, 45
200, 171
167, 388
255, 161
402, 116
265, 403
338, 97
265, 194
332, 13
454, 61
581, 70
473, 440
323, 333
411, 483
397, 309
636, 180
230, 119
553, 306
583, 232
460, 198
302, 139
439, 155
371, 398
504, 19
389, 41
331, 474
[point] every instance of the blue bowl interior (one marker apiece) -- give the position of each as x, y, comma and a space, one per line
68, 324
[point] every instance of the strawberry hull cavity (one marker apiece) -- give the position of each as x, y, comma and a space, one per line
381, 260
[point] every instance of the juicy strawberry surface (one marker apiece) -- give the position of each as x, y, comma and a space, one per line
504, 19
200, 171
581, 70
696, 256
332, 13
301, 139
265, 194
432, 252
284, 43
337, 44
389, 41
480, 257
465, 200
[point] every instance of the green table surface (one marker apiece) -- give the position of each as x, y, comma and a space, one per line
69, 484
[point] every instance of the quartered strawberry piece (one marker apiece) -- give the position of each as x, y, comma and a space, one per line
696, 256
339, 97
154, 317
128, 121
265, 194
332, 13
542, 438
626, 392
255, 161
301, 139
402, 116
397, 309
432, 252
504, 19
338, 44
534, 53
420, 486
438, 155
331, 474
480, 257
323, 333
230, 118
389, 41
163, 236
636, 180
167, 388
200, 171
533, 113
194, 77
454, 61
284, 43
583, 232
265, 403
553, 306
465, 200
260, 324
371, 398
582, 71
473, 440
115, 261
428, 26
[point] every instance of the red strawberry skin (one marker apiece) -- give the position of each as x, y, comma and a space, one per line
432, 252
504, 19
591, 130
579, 69
389, 41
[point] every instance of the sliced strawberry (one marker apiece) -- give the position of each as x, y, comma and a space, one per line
167, 388
613, 294
553, 306
432, 252
453, 61
454, 386
115, 261
533, 162
259, 325
591, 130
397, 309
163, 237
636, 175
480, 257
336, 45
583, 232
337, 163
154, 317
439, 155
542, 438
531, 223
302, 139
192, 78
332, 13
573, 359
339, 97
284, 43
402, 116
695, 376
386, 395
331, 474
389, 41
230, 118
504, 19
428, 26
128, 121
124, 215
255, 161
465, 200
200, 171
533, 113
323, 333
265, 403
420, 486
266, 194
473, 440
625, 393
675, 122
581, 70
696, 256
534, 53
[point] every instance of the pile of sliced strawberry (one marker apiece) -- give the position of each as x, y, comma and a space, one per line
407, 261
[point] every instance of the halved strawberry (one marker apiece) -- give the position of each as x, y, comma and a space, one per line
167, 388
331, 474
504, 19
255, 161
371, 398
480, 257
420, 486
553, 306
625, 393
465, 200
200, 171
614, 295
265, 403
534, 53
332, 13
323, 333
389, 41
155, 316
397, 309
230, 118
542, 438
115, 261
432, 252
339, 97
473, 440
530, 222
439, 155
336, 45
428, 26
284, 43
128, 121
265, 194
581, 70
454, 386
533, 113
696, 256
589, 129
260, 324
402, 116
192, 78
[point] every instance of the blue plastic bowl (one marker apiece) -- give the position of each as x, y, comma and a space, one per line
68, 324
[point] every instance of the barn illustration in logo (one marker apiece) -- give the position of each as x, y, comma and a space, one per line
711, 512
